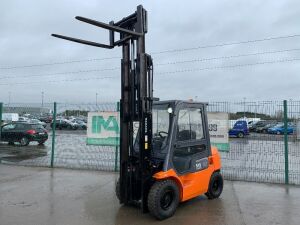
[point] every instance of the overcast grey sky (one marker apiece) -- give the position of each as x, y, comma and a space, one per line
25, 28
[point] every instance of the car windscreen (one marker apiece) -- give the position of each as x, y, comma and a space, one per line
8, 127
240, 125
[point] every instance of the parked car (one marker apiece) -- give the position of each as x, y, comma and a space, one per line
251, 123
240, 129
65, 124
81, 124
24, 133
38, 122
46, 118
83, 118
23, 119
265, 128
279, 129
11, 117
260, 123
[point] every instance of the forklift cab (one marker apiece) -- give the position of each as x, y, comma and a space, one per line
180, 136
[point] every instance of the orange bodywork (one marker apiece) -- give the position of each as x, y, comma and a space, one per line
193, 184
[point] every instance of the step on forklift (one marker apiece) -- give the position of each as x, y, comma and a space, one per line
169, 158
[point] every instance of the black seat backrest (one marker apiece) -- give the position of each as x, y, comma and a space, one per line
185, 135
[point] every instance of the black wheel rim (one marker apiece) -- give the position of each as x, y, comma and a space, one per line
23, 141
167, 199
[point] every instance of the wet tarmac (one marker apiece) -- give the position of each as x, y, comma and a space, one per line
42, 196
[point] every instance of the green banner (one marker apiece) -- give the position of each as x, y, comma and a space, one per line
103, 129
110, 141
223, 147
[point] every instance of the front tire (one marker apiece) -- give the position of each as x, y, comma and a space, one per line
163, 199
215, 186
24, 141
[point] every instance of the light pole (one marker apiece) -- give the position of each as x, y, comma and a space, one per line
9, 98
244, 107
42, 99
96, 99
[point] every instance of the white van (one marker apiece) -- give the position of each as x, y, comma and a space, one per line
10, 117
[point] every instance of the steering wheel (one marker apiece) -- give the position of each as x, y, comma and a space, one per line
162, 132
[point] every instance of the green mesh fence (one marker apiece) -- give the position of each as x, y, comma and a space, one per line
14, 150
70, 149
258, 156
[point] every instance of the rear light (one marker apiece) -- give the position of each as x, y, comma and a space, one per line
31, 132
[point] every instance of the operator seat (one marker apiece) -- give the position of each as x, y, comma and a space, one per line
182, 157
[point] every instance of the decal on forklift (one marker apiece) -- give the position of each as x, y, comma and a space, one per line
201, 164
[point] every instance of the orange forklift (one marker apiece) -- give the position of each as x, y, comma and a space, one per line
169, 158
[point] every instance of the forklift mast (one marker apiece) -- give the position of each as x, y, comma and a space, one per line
136, 101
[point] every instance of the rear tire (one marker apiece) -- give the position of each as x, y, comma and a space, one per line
11, 143
163, 199
240, 135
24, 141
215, 186
41, 142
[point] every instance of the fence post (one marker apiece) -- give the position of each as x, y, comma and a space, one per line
286, 144
53, 134
1, 111
117, 147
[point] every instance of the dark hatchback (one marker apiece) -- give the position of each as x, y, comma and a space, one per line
24, 133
